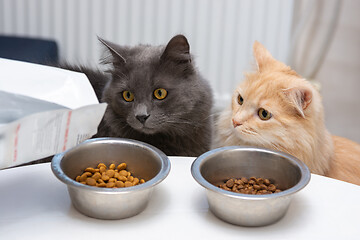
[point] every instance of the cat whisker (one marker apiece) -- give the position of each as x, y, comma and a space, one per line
180, 122
280, 148
249, 131
122, 75
267, 142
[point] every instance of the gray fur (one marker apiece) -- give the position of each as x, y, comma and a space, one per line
180, 124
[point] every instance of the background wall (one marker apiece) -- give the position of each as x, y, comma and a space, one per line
220, 34
339, 74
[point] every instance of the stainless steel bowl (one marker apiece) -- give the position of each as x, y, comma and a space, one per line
143, 160
215, 166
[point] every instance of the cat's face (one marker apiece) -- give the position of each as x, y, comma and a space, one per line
270, 104
153, 90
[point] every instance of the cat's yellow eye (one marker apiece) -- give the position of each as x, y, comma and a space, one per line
263, 114
160, 93
240, 100
128, 96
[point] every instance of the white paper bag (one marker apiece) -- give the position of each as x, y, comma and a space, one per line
43, 111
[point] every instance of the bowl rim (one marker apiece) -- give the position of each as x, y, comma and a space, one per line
159, 177
304, 180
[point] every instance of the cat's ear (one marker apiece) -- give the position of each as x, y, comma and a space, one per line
262, 56
178, 49
300, 97
115, 50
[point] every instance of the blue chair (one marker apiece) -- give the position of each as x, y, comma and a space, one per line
34, 50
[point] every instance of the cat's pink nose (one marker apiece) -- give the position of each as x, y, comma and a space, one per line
236, 123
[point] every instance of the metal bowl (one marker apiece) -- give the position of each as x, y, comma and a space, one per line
215, 166
143, 160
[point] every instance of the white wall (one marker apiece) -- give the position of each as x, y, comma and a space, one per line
339, 75
220, 33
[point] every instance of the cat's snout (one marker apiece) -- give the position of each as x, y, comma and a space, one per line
142, 118
236, 123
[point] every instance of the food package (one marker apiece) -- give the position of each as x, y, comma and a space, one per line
43, 111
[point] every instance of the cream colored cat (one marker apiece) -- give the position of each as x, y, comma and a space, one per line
276, 108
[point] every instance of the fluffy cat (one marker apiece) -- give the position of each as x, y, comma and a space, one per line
276, 108
156, 95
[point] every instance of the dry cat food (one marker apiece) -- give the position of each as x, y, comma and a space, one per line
112, 177
252, 185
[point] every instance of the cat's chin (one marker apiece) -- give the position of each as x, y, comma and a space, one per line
147, 131
244, 138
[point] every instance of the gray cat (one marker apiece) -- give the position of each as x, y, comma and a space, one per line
156, 95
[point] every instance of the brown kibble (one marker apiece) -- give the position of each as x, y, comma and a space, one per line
110, 172
128, 184
84, 176
252, 186
101, 184
230, 183
267, 182
90, 169
102, 169
259, 181
130, 178
110, 178
105, 177
277, 190
122, 178
272, 187
110, 185
136, 181
263, 186
240, 187
91, 181
239, 182
96, 176
101, 165
121, 166
119, 184
123, 173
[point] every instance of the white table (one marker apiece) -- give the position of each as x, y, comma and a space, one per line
34, 204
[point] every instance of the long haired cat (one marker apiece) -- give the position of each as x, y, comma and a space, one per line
156, 95
276, 108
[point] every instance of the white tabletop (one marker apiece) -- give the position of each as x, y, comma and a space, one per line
34, 204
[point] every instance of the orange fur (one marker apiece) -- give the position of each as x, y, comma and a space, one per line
297, 122
346, 164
